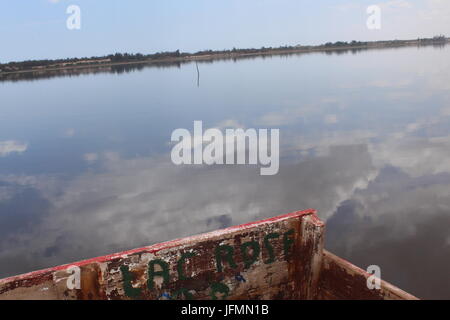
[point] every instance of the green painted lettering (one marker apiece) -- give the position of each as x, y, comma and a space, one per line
130, 291
152, 273
269, 247
219, 291
288, 242
250, 257
181, 263
224, 252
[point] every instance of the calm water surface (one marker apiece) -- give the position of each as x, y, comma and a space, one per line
85, 165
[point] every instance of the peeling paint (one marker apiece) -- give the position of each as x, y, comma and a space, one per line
277, 258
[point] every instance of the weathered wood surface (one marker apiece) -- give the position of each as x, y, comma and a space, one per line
278, 258
341, 280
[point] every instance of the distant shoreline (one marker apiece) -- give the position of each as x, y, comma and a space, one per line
43, 66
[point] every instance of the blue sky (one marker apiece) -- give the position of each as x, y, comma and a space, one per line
37, 29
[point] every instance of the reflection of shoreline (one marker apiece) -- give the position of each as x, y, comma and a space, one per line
121, 67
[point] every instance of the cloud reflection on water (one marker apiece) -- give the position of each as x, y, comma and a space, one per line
373, 163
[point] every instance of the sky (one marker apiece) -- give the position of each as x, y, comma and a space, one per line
37, 29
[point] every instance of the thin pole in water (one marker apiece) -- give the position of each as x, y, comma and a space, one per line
198, 74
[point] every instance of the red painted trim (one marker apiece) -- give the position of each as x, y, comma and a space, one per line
166, 245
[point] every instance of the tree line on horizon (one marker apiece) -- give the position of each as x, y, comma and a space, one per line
138, 57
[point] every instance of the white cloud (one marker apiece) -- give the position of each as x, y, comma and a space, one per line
230, 123
139, 201
11, 146
417, 156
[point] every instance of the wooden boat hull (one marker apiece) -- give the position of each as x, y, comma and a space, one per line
277, 258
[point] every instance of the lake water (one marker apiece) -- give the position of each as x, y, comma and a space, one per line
85, 166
